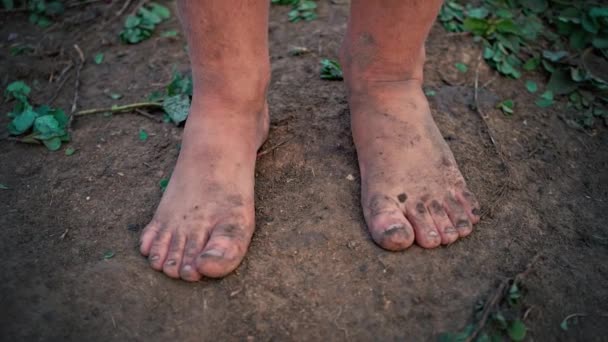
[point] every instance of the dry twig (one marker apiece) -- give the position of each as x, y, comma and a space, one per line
272, 148
498, 296
120, 109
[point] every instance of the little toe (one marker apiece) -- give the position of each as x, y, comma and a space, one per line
387, 225
470, 204
458, 216
175, 255
159, 249
147, 236
427, 235
194, 245
443, 223
224, 250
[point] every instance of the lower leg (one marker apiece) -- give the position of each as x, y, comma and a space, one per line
412, 189
205, 220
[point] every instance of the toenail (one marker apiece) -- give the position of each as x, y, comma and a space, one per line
462, 224
450, 230
171, 262
395, 229
433, 233
154, 257
187, 268
213, 253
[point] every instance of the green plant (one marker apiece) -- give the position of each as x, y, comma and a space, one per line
140, 27
331, 70
41, 11
503, 322
300, 9
515, 33
176, 98
41, 124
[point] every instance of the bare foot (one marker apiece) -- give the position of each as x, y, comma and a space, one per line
205, 220
412, 189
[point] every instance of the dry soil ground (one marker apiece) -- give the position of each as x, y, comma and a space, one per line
312, 272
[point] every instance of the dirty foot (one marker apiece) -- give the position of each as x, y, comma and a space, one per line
412, 189
205, 220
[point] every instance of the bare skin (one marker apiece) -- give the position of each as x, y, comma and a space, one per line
412, 189
205, 220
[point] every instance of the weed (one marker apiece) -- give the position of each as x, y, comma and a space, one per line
98, 59
300, 9
140, 27
331, 70
143, 135
43, 123
515, 35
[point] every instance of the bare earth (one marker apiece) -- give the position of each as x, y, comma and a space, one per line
312, 272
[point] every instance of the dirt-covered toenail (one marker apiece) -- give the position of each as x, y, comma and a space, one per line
433, 233
171, 262
420, 208
154, 257
462, 224
213, 253
395, 229
449, 230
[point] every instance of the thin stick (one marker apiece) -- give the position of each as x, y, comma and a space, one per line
76, 86
498, 296
124, 8
272, 148
63, 81
119, 109
148, 115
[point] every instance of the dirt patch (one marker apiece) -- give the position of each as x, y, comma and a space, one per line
312, 271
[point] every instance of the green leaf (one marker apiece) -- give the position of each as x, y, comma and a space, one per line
600, 42
163, 184
70, 151
476, 26
143, 135
478, 13
22, 122
169, 33
160, 10
599, 12
46, 127
531, 86
115, 96
132, 21
531, 63
561, 83
430, 92
517, 330
52, 144
3, 187
98, 59
8, 4
507, 106
18, 90
461, 67
507, 26
149, 17
108, 255
545, 100
177, 107
331, 70
536, 6
554, 56
564, 325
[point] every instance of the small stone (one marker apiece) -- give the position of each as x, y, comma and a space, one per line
88, 198
350, 177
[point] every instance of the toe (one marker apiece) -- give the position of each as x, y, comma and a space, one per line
175, 255
387, 225
159, 249
224, 250
426, 233
470, 204
194, 246
458, 216
442, 222
147, 236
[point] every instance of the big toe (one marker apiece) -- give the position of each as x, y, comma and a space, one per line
224, 251
387, 225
